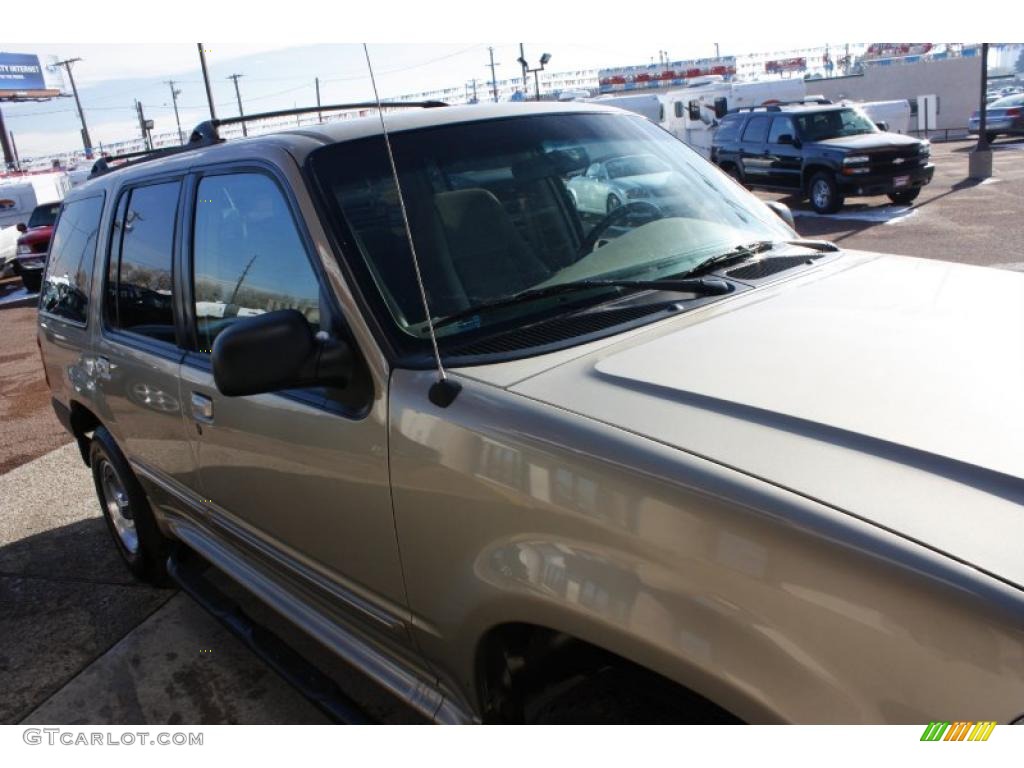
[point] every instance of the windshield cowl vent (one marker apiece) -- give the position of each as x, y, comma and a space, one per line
770, 266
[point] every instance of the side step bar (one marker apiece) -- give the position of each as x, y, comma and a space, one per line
186, 568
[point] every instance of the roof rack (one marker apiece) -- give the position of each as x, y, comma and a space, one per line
207, 134
777, 106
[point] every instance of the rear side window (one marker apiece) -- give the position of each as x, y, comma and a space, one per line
248, 257
72, 253
139, 284
781, 126
757, 129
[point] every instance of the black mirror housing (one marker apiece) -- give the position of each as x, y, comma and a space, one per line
276, 351
22, 226
882, 125
784, 138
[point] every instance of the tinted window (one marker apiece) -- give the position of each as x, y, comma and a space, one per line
142, 274
44, 215
72, 253
780, 126
248, 256
757, 129
729, 128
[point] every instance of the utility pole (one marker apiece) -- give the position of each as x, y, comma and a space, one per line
206, 81
86, 141
522, 61
144, 126
14, 149
238, 95
717, 55
474, 91
5, 145
320, 115
175, 93
494, 79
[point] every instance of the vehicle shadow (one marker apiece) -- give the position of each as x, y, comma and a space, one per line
65, 598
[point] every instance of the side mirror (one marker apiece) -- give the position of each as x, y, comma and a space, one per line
784, 138
275, 351
782, 211
22, 226
882, 125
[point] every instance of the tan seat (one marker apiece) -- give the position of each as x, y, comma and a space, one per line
484, 247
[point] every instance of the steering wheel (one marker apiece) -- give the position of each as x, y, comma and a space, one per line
612, 218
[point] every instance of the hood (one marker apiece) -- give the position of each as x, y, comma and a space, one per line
870, 141
888, 388
36, 235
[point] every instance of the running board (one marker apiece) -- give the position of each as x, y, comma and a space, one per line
186, 568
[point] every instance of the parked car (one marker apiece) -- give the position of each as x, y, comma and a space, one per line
610, 183
547, 468
33, 245
1003, 117
825, 152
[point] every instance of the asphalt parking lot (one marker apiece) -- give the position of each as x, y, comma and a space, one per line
81, 642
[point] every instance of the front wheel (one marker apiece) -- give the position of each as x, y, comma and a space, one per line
126, 510
906, 197
824, 193
990, 137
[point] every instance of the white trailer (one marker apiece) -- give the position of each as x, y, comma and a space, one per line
646, 104
691, 114
21, 193
895, 114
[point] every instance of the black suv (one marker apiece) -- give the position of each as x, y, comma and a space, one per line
823, 151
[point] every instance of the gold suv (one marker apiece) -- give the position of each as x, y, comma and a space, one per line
519, 461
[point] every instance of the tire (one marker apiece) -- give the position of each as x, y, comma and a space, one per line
127, 512
990, 137
32, 281
733, 172
623, 695
612, 203
905, 198
824, 193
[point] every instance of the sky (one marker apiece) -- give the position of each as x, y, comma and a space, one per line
111, 76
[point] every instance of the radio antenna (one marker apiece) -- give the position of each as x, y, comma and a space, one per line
444, 390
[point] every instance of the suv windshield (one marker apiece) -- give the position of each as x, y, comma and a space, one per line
502, 206
43, 215
834, 124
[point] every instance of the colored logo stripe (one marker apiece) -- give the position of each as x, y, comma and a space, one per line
961, 730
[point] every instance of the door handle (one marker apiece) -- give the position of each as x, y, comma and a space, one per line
202, 408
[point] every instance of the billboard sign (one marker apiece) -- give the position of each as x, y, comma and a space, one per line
21, 72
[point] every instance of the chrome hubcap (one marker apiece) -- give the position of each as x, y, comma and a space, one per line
115, 499
820, 193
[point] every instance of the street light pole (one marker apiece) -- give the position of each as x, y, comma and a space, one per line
979, 161
320, 115
86, 141
175, 93
238, 95
206, 81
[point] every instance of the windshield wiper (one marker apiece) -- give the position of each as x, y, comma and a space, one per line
738, 253
700, 286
